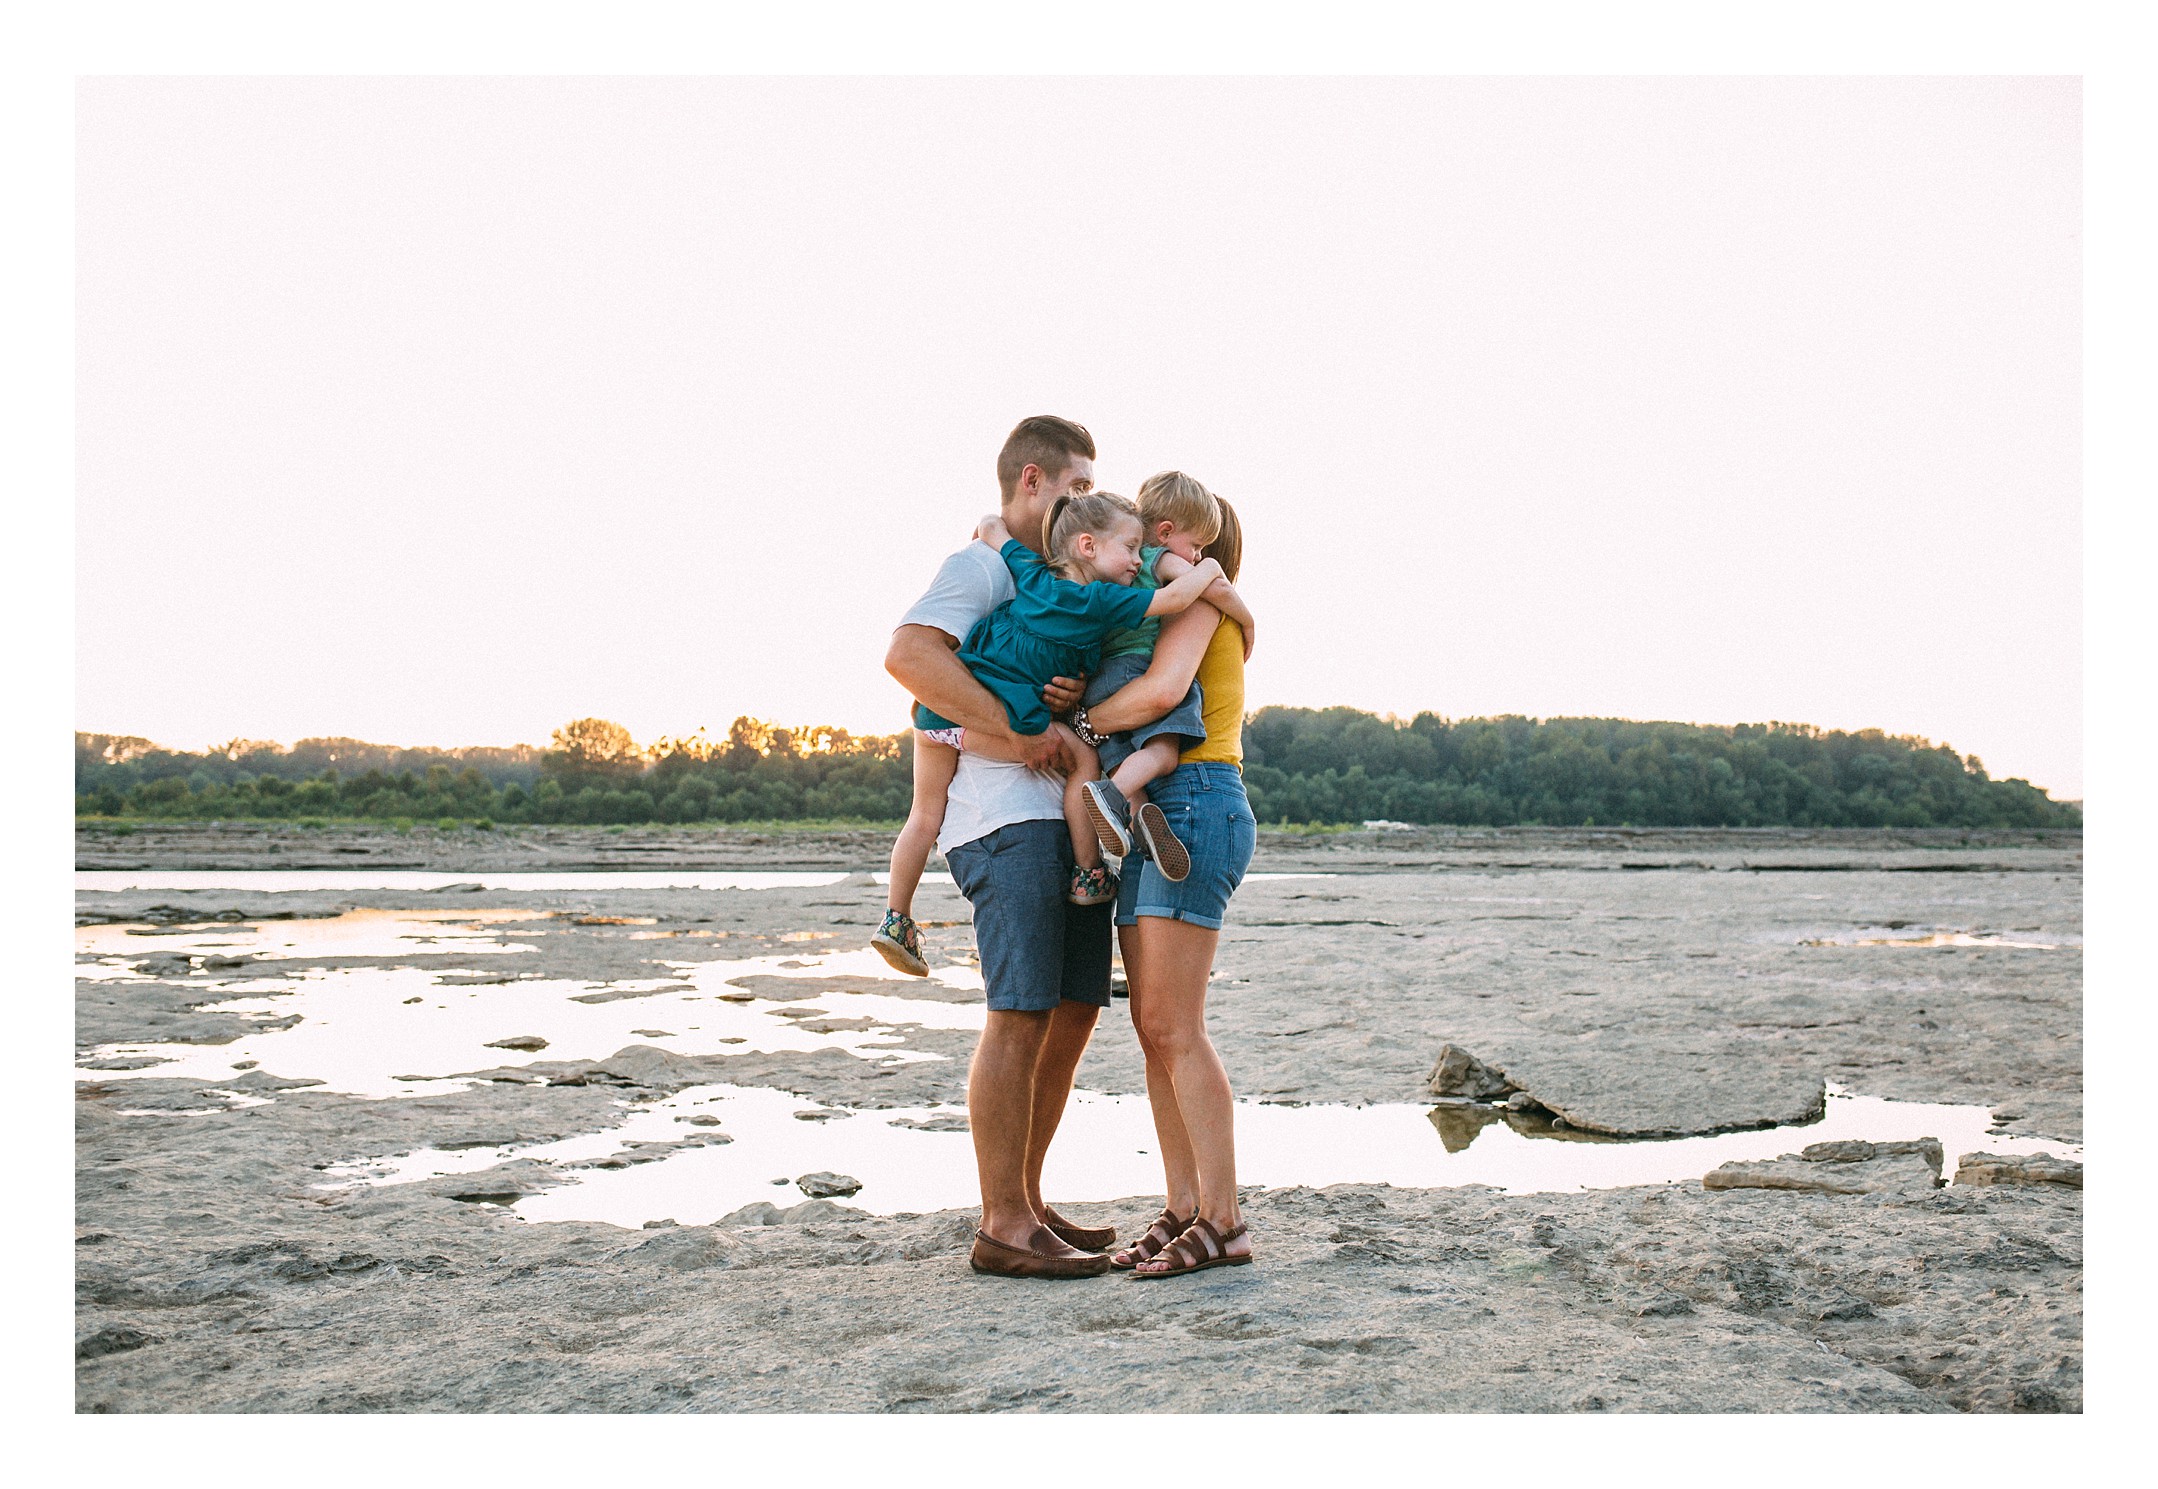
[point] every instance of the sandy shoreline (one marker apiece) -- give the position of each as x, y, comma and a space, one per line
1719, 992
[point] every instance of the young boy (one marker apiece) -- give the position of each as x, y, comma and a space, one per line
1181, 517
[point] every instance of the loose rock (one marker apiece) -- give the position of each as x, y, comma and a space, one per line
111, 1342
2037, 1168
1459, 1073
822, 1185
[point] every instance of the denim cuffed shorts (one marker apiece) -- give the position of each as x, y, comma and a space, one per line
1208, 810
1185, 720
1036, 949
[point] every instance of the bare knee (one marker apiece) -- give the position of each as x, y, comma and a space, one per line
1166, 1038
1014, 1034
1086, 760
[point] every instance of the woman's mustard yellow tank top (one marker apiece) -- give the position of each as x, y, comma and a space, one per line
1221, 682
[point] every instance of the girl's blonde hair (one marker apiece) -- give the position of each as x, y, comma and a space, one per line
1176, 498
1096, 512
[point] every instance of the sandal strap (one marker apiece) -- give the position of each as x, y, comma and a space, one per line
1166, 1228
1201, 1242
1170, 1226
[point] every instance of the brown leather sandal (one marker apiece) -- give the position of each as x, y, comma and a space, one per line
1167, 1227
1201, 1246
1086, 1238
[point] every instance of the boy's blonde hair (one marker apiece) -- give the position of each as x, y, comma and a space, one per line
1176, 498
1096, 512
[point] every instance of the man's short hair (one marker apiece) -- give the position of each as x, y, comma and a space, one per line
1043, 440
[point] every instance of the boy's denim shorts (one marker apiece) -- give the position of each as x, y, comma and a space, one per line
1036, 949
1184, 720
1208, 810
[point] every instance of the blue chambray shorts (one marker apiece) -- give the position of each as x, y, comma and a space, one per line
1185, 720
1036, 949
1208, 810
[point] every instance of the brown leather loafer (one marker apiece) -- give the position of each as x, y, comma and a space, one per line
998, 1259
1086, 1239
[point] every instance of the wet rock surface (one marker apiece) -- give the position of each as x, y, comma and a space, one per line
1846, 1167
1636, 981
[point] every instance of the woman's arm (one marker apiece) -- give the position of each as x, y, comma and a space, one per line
1167, 678
1181, 593
1221, 594
991, 530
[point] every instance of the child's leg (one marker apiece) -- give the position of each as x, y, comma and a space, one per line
1145, 765
934, 766
1086, 848
1150, 762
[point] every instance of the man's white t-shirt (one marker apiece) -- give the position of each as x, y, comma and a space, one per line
985, 794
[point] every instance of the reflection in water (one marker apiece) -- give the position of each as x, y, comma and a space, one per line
355, 933
695, 1156
1458, 1123
409, 1031
1942, 938
350, 879
1104, 1150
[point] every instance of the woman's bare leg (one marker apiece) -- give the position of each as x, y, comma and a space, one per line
1180, 1173
1174, 960
934, 767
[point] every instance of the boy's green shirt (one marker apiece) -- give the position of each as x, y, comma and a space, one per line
1138, 640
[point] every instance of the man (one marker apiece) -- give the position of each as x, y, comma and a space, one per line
1045, 963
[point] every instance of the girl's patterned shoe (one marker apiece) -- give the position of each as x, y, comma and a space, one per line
899, 941
1095, 886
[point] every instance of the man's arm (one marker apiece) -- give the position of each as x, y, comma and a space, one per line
1167, 678
923, 660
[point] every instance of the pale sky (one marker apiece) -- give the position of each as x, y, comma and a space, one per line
444, 411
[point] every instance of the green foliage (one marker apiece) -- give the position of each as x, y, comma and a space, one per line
1340, 765
1326, 767
595, 774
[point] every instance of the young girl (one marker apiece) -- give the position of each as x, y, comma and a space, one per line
1180, 518
1053, 626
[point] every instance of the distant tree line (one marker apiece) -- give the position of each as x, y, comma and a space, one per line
1342, 765
592, 772
1334, 765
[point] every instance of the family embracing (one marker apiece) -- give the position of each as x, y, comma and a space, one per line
1078, 672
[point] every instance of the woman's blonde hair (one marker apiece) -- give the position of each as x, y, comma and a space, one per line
1096, 512
1176, 498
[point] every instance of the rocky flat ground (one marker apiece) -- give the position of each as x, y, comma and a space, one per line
1632, 982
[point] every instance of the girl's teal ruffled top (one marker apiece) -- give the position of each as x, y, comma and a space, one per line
1050, 628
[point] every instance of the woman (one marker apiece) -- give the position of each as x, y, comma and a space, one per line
1169, 930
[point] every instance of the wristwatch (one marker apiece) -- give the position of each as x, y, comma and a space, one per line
1084, 728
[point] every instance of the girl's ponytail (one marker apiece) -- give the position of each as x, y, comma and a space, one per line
1049, 527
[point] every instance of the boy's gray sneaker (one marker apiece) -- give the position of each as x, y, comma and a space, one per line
1161, 844
1111, 815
